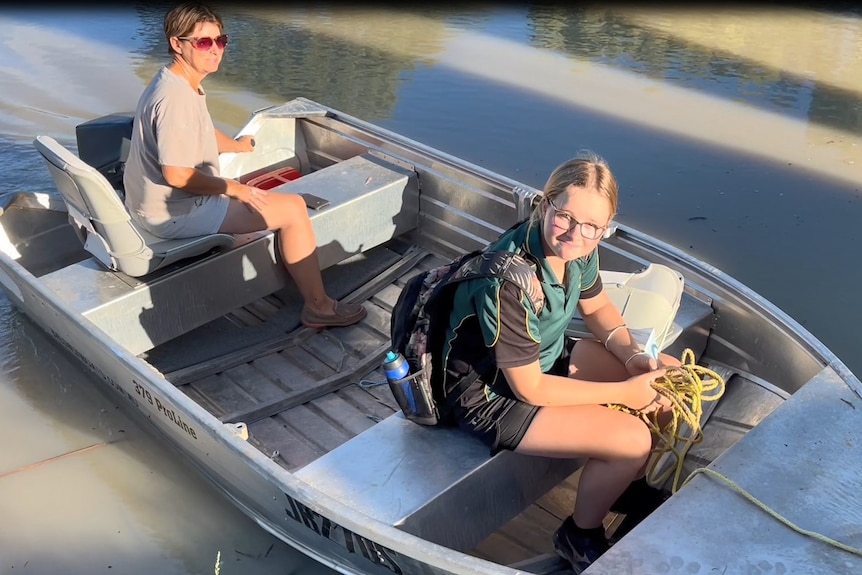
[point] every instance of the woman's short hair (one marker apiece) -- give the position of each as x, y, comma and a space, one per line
182, 19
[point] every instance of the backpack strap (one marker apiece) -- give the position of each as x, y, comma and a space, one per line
509, 266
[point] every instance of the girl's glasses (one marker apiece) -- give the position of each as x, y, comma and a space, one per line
566, 221
205, 43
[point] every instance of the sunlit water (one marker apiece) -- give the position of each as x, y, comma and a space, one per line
735, 135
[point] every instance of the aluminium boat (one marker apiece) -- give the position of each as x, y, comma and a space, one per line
297, 427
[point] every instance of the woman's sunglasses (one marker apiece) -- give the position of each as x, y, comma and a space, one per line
205, 43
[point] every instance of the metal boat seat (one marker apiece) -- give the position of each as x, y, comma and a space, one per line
419, 478
103, 224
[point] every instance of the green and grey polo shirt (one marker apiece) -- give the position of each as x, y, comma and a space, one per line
492, 316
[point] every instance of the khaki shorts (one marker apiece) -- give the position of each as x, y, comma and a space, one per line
205, 218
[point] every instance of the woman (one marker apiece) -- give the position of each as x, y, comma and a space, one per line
539, 396
172, 182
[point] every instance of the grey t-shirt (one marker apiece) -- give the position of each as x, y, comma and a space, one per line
172, 127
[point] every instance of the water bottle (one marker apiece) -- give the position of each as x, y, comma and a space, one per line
395, 366
396, 369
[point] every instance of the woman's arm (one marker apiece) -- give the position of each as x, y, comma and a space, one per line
227, 144
195, 181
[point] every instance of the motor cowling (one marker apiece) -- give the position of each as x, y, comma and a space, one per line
103, 143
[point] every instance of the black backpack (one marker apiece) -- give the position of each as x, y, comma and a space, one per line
420, 319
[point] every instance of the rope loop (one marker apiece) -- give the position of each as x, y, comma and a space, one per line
687, 387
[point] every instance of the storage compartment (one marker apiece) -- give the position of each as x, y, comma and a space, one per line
275, 178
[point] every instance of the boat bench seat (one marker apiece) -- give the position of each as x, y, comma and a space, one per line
437, 483
441, 484
371, 202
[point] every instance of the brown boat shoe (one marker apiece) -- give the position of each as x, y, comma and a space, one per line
344, 314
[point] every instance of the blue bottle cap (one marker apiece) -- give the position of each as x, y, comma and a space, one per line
391, 356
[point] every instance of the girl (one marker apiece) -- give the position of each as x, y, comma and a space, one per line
538, 393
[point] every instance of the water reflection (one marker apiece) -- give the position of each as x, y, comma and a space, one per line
354, 59
61, 67
782, 62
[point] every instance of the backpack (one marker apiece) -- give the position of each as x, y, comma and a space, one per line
420, 319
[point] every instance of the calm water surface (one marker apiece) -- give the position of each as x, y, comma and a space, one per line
735, 135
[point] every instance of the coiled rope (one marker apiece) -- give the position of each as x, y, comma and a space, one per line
687, 387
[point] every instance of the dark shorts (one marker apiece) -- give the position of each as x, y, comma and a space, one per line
502, 422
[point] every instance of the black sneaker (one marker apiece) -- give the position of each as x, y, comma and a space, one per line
580, 547
636, 503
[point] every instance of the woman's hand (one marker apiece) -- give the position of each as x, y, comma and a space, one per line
244, 144
642, 363
642, 396
253, 198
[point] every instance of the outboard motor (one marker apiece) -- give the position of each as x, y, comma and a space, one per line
103, 143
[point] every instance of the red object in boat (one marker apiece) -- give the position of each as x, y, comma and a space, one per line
276, 178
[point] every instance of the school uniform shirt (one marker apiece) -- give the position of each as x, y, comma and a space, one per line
492, 324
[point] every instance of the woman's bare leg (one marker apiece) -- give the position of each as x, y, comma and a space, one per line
286, 214
617, 445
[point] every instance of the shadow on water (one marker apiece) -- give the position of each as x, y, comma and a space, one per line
365, 60
359, 68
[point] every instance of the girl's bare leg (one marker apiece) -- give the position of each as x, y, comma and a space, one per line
615, 444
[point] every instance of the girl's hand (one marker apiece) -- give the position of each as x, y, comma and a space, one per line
640, 363
642, 396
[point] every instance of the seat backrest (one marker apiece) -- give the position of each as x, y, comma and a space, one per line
648, 300
92, 201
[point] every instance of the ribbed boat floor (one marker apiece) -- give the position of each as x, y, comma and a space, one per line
304, 393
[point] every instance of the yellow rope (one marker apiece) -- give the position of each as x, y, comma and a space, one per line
761, 505
687, 387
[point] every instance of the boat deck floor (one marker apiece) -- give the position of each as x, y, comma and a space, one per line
302, 393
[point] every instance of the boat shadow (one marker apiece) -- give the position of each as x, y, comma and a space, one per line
270, 318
